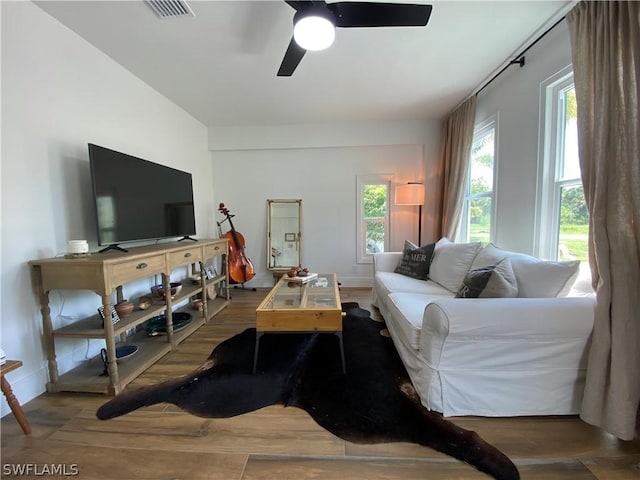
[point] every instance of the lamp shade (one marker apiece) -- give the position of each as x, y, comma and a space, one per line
410, 194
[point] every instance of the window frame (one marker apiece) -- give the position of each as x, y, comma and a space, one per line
481, 129
551, 163
362, 257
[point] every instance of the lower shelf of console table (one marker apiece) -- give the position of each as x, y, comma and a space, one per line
90, 377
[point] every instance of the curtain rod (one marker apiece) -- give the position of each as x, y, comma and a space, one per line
519, 59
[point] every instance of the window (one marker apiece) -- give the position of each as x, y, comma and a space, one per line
373, 216
564, 223
479, 203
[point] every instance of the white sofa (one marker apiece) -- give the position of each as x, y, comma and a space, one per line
488, 356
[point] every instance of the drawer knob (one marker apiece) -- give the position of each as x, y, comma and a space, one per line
142, 265
187, 255
217, 248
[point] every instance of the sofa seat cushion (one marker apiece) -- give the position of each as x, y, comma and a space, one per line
407, 311
391, 282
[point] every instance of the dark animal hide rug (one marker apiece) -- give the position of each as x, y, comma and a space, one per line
374, 402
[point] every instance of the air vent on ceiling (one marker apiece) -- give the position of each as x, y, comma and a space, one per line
171, 8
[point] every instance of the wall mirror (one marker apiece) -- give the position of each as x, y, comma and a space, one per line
284, 246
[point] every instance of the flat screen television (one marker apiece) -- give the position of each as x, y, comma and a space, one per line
136, 199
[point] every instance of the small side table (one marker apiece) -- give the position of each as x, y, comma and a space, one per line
9, 366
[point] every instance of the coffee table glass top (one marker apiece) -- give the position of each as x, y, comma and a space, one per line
318, 293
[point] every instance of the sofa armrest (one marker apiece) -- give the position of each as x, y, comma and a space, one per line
481, 329
386, 261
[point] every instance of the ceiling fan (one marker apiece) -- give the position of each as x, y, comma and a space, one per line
315, 20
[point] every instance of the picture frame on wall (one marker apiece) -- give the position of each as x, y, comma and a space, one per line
289, 237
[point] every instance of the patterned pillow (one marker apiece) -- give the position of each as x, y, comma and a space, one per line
489, 281
415, 260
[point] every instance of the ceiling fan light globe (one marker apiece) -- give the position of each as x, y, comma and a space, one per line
314, 33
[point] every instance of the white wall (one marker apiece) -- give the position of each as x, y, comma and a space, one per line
58, 94
285, 163
515, 97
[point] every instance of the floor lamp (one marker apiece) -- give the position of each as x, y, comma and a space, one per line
412, 193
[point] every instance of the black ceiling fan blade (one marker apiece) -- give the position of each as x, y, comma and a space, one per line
301, 4
291, 59
370, 14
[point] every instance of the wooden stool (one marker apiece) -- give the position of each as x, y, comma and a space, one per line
11, 398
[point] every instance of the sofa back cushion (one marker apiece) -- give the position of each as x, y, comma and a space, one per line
415, 261
535, 278
451, 262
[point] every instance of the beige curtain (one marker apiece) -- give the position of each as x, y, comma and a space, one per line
457, 135
605, 45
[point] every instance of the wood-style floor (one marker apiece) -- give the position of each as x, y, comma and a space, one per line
163, 442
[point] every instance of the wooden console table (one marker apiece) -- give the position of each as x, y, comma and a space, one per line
105, 273
13, 402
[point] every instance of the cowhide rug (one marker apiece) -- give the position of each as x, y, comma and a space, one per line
374, 402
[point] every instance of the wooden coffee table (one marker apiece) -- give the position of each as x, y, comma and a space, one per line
298, 308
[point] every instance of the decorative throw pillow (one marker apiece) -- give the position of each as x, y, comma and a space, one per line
451, 262
489, 281
415, 260
539, 278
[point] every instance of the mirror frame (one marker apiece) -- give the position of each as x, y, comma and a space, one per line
297, 238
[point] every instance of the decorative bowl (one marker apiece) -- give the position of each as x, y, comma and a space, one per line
144, 302
158, 290
298, 272
158, 325
123, 352
124, 308
197, 305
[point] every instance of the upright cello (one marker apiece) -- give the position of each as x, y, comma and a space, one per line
240, 267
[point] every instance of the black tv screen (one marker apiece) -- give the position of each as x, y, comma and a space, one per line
136, 199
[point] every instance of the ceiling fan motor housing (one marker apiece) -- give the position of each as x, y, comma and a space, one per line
314, 27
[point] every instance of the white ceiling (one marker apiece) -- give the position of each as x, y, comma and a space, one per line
220, 66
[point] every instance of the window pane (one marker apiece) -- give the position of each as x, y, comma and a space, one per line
375, 236
375, 201
570, 160
480, 220
481, 174
574, 224
373, 220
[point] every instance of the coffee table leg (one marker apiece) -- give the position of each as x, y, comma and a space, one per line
255, 353
344, 364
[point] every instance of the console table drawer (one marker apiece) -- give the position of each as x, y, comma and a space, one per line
135, 269
215, 250
183, 257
